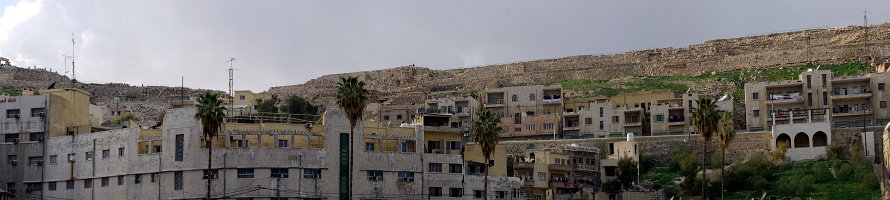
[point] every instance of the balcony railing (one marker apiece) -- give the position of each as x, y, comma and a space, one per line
557, 167
523, 165
586, 167
494, 102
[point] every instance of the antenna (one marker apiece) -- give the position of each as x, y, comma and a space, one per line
73, 76
65, 63
231, 69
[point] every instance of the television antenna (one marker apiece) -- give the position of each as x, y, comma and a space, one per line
231, 70
65, 63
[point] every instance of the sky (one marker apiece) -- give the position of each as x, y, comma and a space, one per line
277, 43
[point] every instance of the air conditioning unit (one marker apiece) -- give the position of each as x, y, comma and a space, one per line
13, 162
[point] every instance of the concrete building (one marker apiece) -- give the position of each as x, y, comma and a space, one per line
455, 112
253, 159
804, 112
568, 171
527, 112
245, 101
643, 113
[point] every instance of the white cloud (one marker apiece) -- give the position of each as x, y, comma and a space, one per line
17, 14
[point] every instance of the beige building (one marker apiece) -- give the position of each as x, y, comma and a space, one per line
527, 111
568, 171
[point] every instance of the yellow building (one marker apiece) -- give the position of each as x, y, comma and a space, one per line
69, 111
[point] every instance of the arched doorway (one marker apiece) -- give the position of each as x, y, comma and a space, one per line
783, 138
801, 140
820, 139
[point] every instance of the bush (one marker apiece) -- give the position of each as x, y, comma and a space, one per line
834, 152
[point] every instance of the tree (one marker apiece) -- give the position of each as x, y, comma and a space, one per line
212, 115
705, 119
627, 172
298, 105
687, 166
485, 134
352, 97
125, 118
726, 134
267, 106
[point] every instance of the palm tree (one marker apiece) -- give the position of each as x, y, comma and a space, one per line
726, 134
212, 114
352, 97
705, 119
485, 134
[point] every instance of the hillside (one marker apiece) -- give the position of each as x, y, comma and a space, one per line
409, 84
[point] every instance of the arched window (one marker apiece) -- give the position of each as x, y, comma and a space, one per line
820, 139
783, 138
531, 97
801, 140
514, 98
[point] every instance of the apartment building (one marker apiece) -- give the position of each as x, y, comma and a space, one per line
255, 159
804, 112
567, 171
644, 113
245, 101
527, 112
456, 112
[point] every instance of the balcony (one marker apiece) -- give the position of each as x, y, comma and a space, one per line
587, 168
560, 182
530, 183
571, 128
494, 102
552, 99
676, 123
556, 167
633, 123
524, 165
840, 96
852, 113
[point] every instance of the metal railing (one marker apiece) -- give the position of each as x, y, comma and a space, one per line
274, 118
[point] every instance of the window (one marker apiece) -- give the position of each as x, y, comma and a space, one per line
455, 192
810, 98
517, 129
601, 125
517, 118
51, 186
103, 182
529, 127
177, 180
88, 155
436, 191
588, 121
435, 167
375, 175
282, 143
10, 186
38, 112
611, 170
475, 169
601, 111
824, 81
11, 138
406, 176
213, 174
35, 161
69, 184
659, 118
13, 113
120, 152
39, 136
756, 113
825, 98
312, 173
369, 147
34, 186
754, 96
881, 86
157, 149
883, 104
500, 194
455, 168
548, 126
280, 173
542, 176
477, 194
245, 173
12, 159
242, 97
87, 183
105, 153
454, 145
398, 117
178, 147
155, 177
120, 180
403, 146
514, 98
531, 97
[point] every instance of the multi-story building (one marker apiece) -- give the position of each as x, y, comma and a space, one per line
456, 112
803, 113
245, 101
250, 159
527, 111
563, 172
644, 113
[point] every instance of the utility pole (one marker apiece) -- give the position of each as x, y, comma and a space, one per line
231, 70
73, 76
